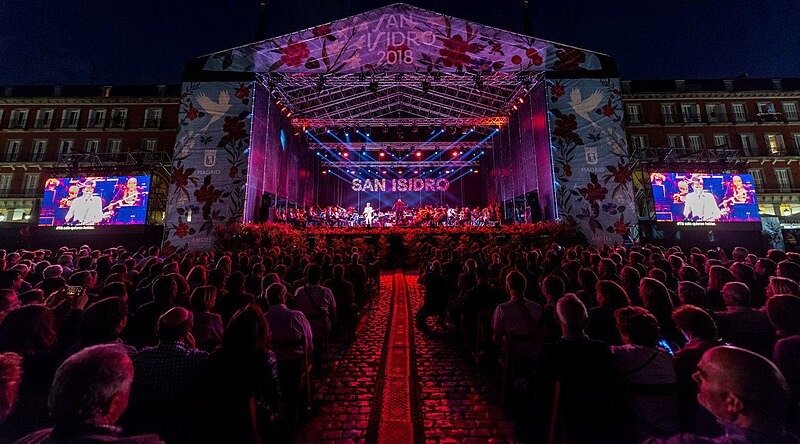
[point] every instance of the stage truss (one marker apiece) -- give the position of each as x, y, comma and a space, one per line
406, 165
399, 146
399, 99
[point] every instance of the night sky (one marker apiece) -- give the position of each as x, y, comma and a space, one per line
147, 41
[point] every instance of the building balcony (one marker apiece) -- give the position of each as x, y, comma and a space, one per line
779, 195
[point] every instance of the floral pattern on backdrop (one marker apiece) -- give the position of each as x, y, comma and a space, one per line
594, 188
209, 167
403, 38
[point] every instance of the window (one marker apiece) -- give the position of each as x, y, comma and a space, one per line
5, 184
65, 146
765, 108
150, 144
97, 118
39, 148
749, 144
675, 141
691, 112
696, 142
152, 118
19, 117
721, 140
69, 118
796, 137
44, 118
634, 113
12, 150
775, 144
30, 183
118, 117
790, 111
739, 112
758, 178
716, 112
114, 146
784, 180
668, 112
92, 146
639, 141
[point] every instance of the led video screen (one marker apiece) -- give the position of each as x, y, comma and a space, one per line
704, 199
86, 202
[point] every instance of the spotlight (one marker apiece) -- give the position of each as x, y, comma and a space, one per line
324, 171
418, 154
416, 171
447, 172
514, 107
455, 153
521, 100
414, 129
345, 154
399, 171
433, 131
385, 128
289, 114
383, 172
475, 171
464, 130
327, 130
382, 154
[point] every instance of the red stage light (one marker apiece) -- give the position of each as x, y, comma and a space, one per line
382, 154
455, 153
345, 154
419, 154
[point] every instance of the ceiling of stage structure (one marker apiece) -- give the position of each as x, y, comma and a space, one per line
405, 66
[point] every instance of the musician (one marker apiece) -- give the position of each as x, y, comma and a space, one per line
368, 214
86, 209
683, 190
737, 192
72, 194
700, 204
399, 208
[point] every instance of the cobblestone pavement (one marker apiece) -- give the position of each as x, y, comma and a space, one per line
453, 406
448, 402
344, 397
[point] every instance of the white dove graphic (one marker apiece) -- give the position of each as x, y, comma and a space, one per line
582, 106
215, 109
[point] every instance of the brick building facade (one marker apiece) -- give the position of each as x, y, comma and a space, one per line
46, 129
759, 117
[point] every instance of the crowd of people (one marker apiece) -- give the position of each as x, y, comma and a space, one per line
196, 347
398, 215
613, 345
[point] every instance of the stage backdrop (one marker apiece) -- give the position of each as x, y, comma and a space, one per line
209, 168
590, 158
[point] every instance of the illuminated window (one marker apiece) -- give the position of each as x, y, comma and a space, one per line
775, 144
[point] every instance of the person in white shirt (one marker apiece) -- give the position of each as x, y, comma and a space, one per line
86, 209
700, 204
316, 302
368, 214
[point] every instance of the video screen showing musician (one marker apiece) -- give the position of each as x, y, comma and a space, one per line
705, 197
95, 201
700, 205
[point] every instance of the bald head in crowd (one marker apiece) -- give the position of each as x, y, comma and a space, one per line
743, 389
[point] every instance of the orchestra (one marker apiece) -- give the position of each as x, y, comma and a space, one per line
423, 216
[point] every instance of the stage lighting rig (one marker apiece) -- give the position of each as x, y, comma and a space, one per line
478, 82
321, 83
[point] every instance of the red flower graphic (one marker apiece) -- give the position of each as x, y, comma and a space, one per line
455, 52
608, 110
594, 192
568, 170
321, 30
294, 54
235, 129
192, 113
242, 92
182, 230
207, 194
557, 90
622, 175
566, 124
621, 228
233, 172
533, 54
179, 178
569, 59
516, 59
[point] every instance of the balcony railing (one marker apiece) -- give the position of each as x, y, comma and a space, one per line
777, 190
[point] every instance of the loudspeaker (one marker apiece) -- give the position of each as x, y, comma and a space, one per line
532, 199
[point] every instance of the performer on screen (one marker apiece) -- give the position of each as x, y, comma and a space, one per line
86, 209
368, 214
72, 194
399, 208
127, 195
701, 205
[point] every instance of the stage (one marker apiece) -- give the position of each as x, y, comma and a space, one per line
401, 104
